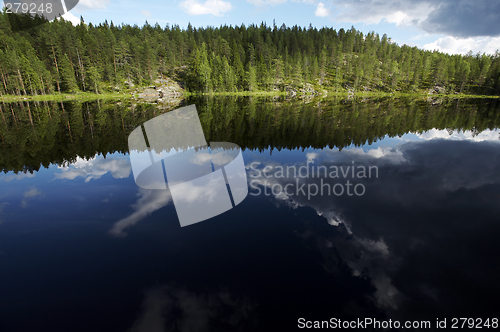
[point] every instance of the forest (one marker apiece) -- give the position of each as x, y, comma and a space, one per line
57, 57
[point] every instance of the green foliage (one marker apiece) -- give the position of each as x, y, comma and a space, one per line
38, 134
67, 75
58, 56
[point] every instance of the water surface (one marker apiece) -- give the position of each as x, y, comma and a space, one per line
82, 248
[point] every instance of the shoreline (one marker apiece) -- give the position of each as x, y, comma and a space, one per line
82, 96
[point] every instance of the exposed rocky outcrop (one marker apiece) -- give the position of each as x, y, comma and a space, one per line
290, 92
437, 89
165, 90
149, 94
306, 91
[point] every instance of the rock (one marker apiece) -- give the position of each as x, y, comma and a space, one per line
308, 89
149, 95
290, 92
129, 83
164, 90
307, 98
437, 90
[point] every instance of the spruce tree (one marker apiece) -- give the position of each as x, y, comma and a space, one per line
67, 75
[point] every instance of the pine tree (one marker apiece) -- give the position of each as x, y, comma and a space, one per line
67, 75
58, 56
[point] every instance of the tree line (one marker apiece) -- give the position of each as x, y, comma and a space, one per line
59, 57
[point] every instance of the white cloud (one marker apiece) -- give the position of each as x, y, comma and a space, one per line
389, 154
148, 202
205, 190
321, 10
32, 192
262, 3
487, 135
11, 176
92, 4
459, 18
146, 13
333, 218
213, 7
311, 156
218, 158
95, 168
72, 18
375, 246
367, 258
373, 12
28, 195
454, 45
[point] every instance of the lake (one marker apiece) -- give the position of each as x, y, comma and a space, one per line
406, 229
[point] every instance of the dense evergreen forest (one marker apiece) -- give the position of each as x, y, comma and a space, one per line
59, 57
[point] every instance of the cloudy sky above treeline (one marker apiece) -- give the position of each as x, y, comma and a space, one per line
451, 26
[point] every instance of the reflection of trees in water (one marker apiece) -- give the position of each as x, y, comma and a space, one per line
38, 134
334, 122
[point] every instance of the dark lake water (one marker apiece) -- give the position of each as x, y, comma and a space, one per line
83, 248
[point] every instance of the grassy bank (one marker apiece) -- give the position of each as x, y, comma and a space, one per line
407, 94
81, 96
237, 93
344, 94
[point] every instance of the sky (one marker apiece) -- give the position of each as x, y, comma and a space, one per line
450, 26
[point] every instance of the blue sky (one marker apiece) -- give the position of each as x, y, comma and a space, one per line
452, 26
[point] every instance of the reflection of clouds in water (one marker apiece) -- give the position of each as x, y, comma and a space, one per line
28, 195
332, 217
166, 308
452, 165
188, 193
311, 156
148, 202
95, 168
427, 167
217, 158
365, 258
278, 176
32, 192
11, 176
389, 154
487, 135
403, 234
381, 155
151, 200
